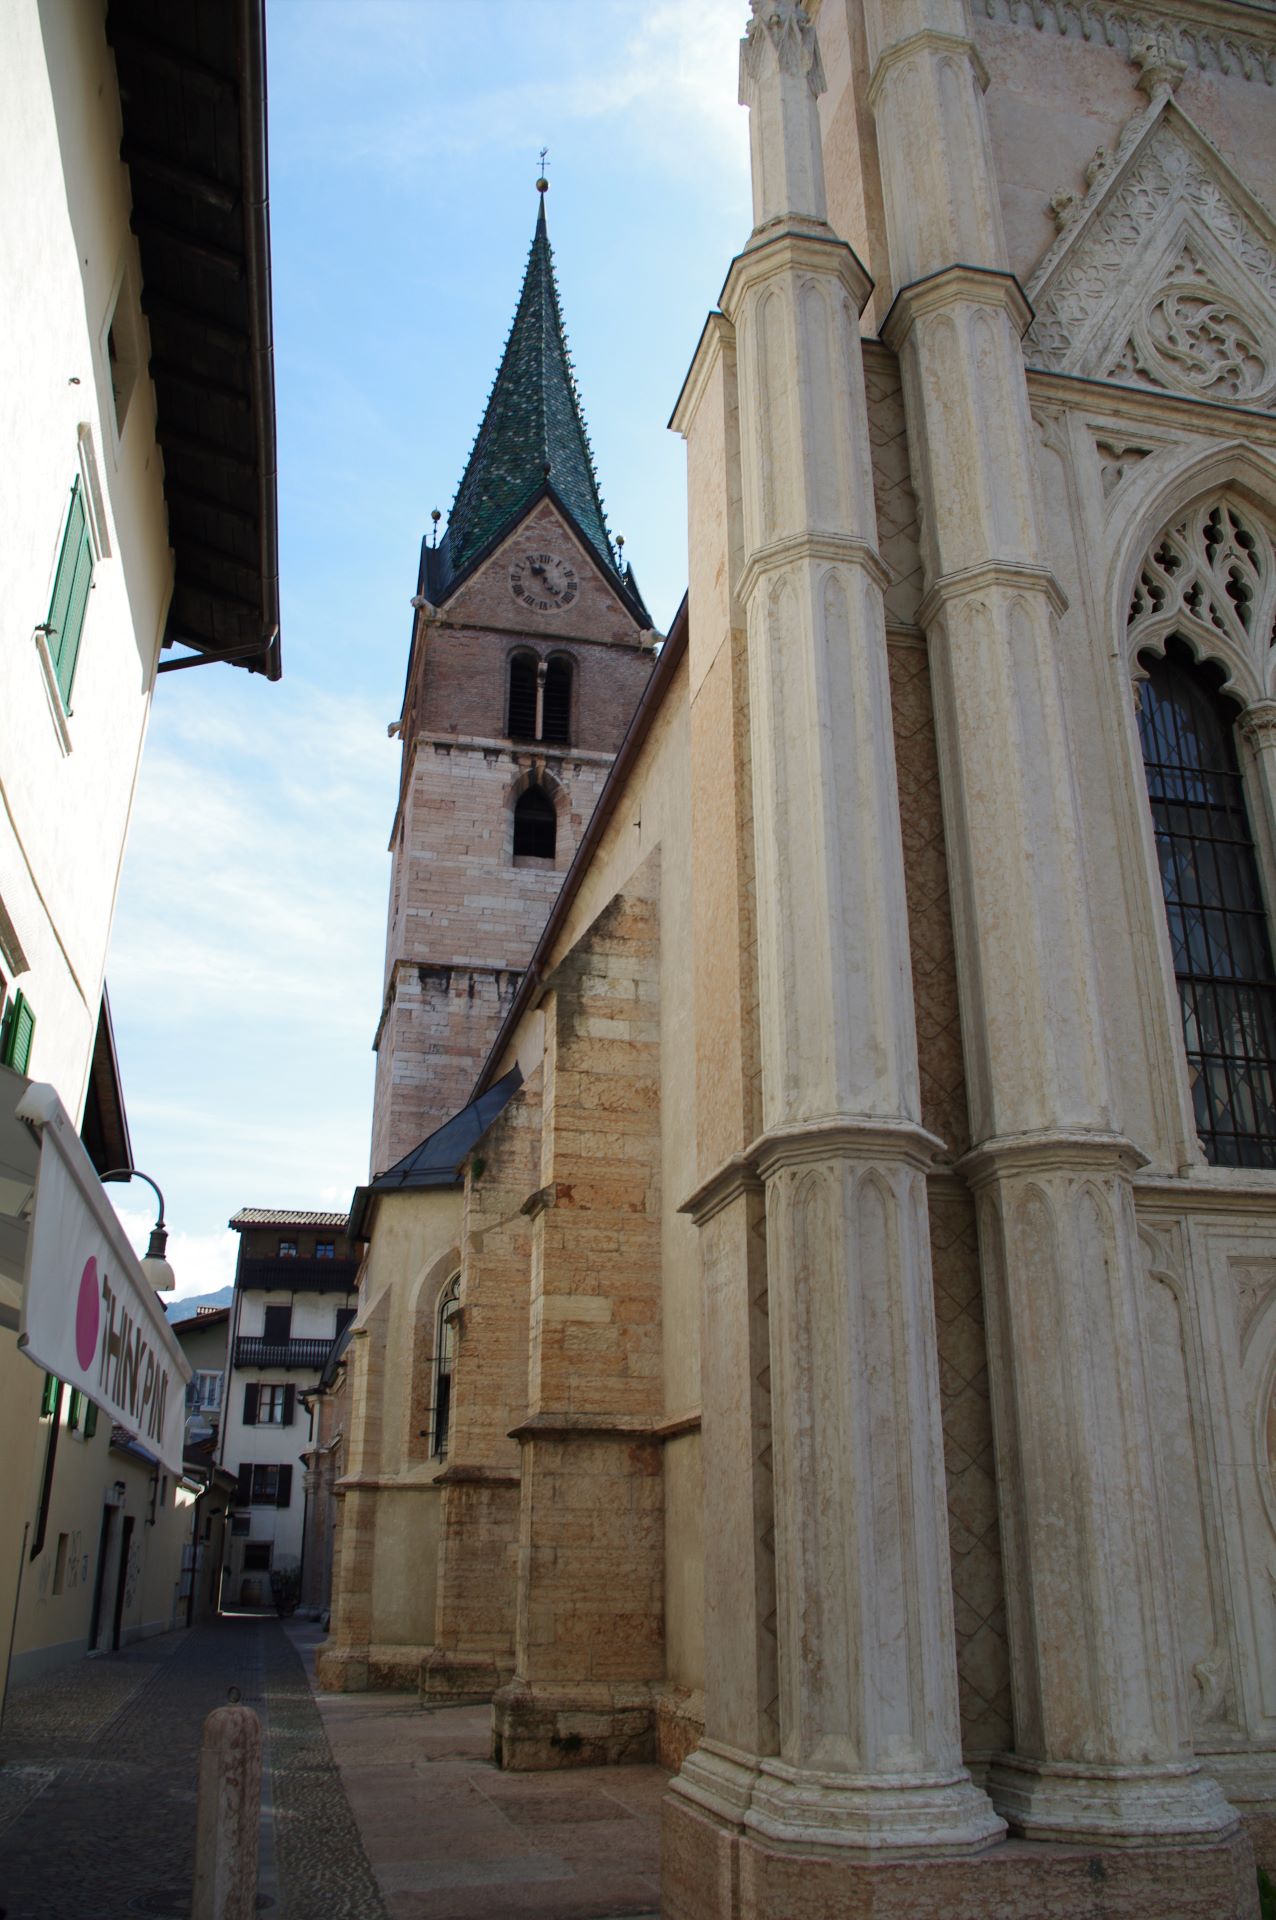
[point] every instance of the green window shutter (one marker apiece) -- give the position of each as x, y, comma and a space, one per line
90, 1420
49, 1398
70, 600
76, 1409
17, 1034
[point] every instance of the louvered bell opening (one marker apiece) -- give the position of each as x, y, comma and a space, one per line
535, 824
557, 717
522, 700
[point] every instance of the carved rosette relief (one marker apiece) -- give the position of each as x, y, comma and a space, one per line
1210, 576
1164, 276
1191, 338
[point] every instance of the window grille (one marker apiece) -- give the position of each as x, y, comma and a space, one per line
1214, 906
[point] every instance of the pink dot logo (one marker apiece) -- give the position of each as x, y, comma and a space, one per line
88, 1311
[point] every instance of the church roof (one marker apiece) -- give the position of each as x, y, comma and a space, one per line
533, 433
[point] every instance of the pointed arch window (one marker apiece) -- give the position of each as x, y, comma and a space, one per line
444, 1362
535, 824
1214, 904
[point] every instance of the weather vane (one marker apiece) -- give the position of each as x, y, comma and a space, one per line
542, 184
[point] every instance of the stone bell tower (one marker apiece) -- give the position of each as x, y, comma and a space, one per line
530, 649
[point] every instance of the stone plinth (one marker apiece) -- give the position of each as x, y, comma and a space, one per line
711, 1871
539, 1726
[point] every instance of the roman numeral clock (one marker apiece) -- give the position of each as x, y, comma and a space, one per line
543, 581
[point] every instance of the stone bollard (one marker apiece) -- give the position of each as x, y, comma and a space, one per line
228, 1815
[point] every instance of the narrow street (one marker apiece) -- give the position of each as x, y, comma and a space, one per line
373, 1809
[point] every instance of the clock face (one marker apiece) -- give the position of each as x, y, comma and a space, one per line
543, 582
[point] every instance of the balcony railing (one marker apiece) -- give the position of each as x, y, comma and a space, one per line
252, 1351
299, 1276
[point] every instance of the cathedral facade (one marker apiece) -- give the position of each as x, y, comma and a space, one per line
850, 1276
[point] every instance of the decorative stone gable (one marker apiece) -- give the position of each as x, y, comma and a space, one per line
544, 579
1164, 274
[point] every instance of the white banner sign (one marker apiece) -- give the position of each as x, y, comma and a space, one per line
89, 1314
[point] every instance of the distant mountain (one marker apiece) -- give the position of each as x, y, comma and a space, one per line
188, 1308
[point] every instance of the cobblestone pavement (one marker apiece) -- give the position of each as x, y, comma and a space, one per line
98, 1769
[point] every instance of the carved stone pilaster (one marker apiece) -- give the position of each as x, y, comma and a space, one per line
1103, 1740
1103, 1733
870, 1751
869, 1754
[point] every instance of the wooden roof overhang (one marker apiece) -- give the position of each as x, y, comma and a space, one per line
192, 81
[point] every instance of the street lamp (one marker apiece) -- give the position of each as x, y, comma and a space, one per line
155, 1266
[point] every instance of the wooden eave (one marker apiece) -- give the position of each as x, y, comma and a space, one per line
192, 81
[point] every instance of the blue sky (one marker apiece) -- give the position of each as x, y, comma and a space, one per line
246, 963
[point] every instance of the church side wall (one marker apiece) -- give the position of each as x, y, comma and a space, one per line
387, 1499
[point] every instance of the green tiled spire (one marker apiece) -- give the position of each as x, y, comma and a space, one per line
532, 430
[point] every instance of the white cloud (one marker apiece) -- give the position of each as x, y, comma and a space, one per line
662, 75
201, 1262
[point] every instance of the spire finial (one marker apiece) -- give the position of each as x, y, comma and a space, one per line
542, 184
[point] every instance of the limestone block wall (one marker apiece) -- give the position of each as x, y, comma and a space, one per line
590, 1619
473, 1640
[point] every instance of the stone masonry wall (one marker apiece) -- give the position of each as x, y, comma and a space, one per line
478, 1542
590, 1625
983, 1659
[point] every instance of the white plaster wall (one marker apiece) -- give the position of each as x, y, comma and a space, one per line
64, 243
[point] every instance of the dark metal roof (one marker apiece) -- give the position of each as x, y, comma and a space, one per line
435, 1162
533, 431
192, 81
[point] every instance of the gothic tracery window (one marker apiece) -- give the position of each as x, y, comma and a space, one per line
1210, 574
1214, 905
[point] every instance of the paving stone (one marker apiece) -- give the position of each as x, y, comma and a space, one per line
98, 1772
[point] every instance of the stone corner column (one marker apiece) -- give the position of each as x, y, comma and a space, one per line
1102, 1735
869, 1756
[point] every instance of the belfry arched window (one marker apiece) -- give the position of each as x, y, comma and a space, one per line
444, 1361
556, 706
1214, 904
521, 708
535, 824
539, 703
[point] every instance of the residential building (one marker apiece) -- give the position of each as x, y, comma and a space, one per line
138, 502
295, 1295
205, 1339
857, 1297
